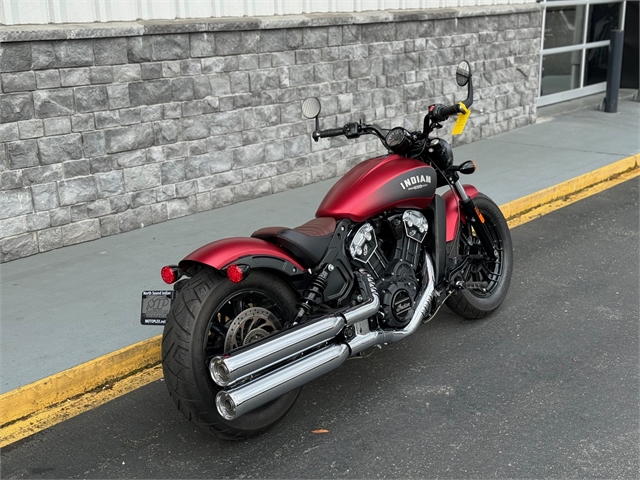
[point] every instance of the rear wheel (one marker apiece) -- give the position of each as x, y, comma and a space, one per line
211, 315
494, 275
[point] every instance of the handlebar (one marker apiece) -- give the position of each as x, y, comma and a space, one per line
351, 130
332, 132
437, 113
440, 112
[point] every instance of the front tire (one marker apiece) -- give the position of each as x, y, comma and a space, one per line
195, 332
474, 304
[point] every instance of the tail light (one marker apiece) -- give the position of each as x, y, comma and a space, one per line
170, 274
237, 273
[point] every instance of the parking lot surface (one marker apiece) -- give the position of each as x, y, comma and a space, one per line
545, 387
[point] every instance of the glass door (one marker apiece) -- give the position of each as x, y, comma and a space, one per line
575, 47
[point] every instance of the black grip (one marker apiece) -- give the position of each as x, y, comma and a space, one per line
445, 112
332, 132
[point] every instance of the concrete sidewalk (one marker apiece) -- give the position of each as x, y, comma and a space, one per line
66, 307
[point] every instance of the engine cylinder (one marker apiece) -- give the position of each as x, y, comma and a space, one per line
364, 249
394, 269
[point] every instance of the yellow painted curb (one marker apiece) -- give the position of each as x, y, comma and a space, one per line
53, 415
57, 388
46, 402
573, 185
552, 206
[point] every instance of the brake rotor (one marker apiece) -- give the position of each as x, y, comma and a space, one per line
250, 326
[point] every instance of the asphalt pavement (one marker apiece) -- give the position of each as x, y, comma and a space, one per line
65, 307
546, 387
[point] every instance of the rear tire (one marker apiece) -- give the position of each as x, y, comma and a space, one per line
475, 304
195, 332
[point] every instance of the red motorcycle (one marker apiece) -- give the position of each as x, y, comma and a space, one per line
257, 318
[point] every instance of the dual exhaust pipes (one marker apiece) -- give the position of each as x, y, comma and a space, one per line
243, 363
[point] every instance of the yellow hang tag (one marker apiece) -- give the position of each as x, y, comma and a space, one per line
462, 120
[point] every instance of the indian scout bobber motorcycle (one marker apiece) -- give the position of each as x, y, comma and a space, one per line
251, 320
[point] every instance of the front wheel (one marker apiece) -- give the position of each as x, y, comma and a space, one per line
493, 275
210, 316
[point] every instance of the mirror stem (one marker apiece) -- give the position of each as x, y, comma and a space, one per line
469, 101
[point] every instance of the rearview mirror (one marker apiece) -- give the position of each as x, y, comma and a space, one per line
311, 107
463, 73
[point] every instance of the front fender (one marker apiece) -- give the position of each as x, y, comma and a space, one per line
249, 251
453, 210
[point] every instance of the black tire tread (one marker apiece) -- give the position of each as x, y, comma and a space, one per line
176, 342
462, 307
465, 303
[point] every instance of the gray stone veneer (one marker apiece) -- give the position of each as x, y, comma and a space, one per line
108, 128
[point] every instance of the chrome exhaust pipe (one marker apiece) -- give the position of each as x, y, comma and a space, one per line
238, 401
229, 368
364, 340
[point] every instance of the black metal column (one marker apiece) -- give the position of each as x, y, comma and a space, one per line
614, 69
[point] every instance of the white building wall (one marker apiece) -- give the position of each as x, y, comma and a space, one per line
23, 12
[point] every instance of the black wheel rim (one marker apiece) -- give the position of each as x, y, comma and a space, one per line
225, 313
485, 270
229, 309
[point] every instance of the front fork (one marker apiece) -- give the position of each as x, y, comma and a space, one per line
475, 217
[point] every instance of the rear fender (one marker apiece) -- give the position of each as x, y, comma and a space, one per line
453, 210
249, 251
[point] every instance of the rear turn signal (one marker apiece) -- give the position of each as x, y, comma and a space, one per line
237, 273
170, 274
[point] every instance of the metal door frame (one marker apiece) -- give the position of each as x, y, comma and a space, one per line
581, 91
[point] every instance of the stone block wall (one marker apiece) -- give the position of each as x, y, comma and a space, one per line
127, 126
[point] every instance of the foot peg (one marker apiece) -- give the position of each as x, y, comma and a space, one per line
482, 286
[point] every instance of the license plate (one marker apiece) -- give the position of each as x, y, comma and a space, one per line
155, 306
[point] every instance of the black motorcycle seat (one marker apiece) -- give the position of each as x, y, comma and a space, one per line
307, 243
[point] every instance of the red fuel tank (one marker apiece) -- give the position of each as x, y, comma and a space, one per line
380, 184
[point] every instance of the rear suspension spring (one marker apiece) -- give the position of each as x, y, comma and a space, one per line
313, 293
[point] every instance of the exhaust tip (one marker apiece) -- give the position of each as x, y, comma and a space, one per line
226, 406
219, 371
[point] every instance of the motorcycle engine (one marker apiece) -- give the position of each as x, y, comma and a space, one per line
392, 260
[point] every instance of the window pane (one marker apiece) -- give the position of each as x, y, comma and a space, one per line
564, 26
603, 18
595, 69
560, 72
